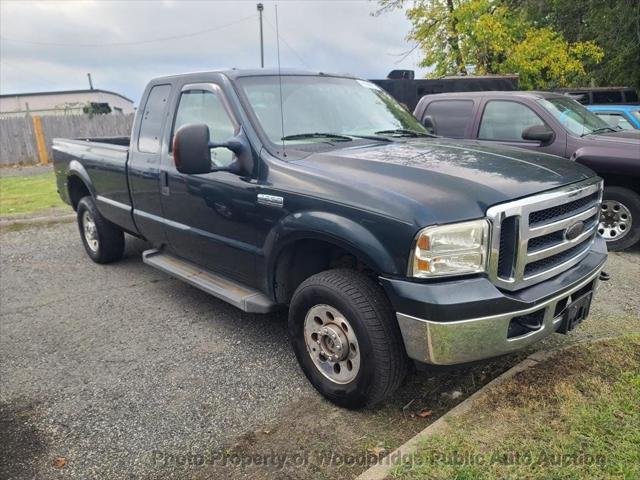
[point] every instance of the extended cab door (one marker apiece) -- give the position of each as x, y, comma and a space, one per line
209, 216
143, 166
502, 121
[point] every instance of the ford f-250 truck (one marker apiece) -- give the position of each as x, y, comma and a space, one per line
320, 193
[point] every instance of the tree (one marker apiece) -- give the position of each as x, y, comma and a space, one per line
488, 37
614, 25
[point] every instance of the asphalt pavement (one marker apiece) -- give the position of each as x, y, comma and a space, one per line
106, 369
102, 365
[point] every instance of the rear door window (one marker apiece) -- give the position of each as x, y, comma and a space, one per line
451, 117
152, 119
506, 120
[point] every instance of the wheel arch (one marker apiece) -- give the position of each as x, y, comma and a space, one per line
78, 183
316, 241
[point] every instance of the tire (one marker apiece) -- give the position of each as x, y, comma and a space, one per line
620, 218
104, 241
379, 362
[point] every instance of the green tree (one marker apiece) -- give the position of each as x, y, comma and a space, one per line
614, 25
490, 38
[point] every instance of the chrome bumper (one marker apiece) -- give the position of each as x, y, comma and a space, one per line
449, 343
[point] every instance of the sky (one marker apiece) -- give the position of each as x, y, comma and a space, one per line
51, 45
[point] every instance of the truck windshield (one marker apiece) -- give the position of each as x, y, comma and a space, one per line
326, 109
574, 117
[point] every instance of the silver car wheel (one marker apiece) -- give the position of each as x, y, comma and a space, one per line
90, 231
332, 344
615, 220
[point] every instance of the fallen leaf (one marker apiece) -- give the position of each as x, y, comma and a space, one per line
377, 451
59, 462
425, 413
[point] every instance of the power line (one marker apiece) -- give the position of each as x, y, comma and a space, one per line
289, 46
120, 44
15, 67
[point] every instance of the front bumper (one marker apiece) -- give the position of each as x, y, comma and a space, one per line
460, 321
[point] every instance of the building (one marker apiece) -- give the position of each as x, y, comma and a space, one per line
68, 102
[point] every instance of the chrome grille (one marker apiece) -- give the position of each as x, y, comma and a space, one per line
529, 243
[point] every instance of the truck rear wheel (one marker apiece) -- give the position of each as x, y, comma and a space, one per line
620, 217
102, 240
346, 338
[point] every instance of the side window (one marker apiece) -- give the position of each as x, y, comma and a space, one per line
451, 117
153, 114
607, 96
615, 120
505, 120
204, 106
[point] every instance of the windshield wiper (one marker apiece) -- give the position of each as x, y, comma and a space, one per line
304, 136
377, 138
405, 132
599, 130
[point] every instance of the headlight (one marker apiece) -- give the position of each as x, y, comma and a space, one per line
455, 249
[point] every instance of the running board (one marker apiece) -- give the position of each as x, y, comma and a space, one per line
238, 295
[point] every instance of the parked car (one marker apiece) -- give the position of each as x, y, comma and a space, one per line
550, 123
620, 117
321, 194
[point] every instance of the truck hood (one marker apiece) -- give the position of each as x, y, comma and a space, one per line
429, 181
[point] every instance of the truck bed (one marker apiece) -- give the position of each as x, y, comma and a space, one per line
103, 162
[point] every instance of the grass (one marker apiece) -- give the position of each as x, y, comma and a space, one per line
573, 416
23, 195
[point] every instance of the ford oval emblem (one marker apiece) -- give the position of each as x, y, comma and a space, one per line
574, 231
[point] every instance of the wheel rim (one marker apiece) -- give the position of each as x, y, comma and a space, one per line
332, 344
615, 220
90, 231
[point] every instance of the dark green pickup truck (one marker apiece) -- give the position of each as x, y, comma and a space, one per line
320, 194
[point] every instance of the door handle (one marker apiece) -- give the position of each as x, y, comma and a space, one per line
164, 182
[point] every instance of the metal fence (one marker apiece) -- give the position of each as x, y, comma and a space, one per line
19, 135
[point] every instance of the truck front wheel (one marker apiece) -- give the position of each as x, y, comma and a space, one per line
103, 241
620, 217
346, 338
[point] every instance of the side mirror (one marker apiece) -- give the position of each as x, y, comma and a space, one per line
429, 123
538, 133
192, 151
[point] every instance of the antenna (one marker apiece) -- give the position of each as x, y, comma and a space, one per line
284, 154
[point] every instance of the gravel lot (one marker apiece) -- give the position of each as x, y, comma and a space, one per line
103, 365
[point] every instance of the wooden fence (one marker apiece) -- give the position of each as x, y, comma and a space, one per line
19, 136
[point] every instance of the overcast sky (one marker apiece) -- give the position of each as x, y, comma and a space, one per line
52, 45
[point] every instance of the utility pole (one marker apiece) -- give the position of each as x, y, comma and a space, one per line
90, 82
260, 8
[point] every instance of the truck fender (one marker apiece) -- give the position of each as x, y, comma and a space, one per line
599, 158
77, 169
332, 228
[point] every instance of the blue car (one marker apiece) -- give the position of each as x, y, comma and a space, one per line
624, 117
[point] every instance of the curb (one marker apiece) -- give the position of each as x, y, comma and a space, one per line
5, 222
381, 471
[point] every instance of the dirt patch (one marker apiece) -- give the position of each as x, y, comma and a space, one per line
315, 440
22, 446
